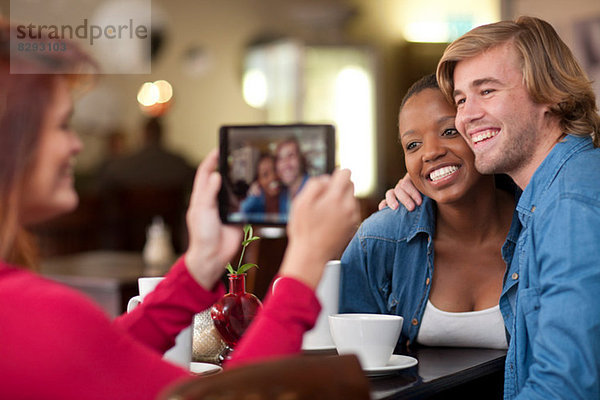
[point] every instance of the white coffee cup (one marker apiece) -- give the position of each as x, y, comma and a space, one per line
181, 352
372, 337
319, 337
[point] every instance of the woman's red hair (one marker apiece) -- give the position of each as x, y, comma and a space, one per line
27, 82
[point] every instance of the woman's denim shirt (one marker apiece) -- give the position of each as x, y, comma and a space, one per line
388, 266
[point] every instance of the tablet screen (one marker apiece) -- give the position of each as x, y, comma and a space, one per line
265, 166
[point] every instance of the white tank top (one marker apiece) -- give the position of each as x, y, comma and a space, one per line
484, 328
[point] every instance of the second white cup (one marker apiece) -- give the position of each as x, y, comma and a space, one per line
327, 292
181, 352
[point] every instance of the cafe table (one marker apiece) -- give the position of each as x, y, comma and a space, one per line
443, 373
108, 277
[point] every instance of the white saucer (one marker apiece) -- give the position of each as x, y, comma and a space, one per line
397, 362
200, 368
318, 348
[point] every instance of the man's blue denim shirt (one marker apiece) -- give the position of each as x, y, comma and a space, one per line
554, 319
388, 266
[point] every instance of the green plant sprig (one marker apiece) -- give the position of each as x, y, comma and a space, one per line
248, 238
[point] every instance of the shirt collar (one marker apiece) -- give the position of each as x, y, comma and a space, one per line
421, 220
548, 170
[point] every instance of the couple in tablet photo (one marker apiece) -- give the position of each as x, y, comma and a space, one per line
278, 179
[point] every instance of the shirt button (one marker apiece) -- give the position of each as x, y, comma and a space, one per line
427, 281
532, 208
415, 321
515, 276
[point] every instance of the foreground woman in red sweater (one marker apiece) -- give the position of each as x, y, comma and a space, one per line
57, 344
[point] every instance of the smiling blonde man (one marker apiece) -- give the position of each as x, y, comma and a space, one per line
527, 109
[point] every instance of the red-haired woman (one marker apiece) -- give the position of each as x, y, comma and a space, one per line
57, 344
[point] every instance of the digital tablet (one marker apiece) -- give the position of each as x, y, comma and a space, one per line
263, 167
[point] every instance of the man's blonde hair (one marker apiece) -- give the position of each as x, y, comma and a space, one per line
551, 73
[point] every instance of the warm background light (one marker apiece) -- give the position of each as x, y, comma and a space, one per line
148, 94
255, 88
441, 21
155, 97
356, 133
165, 91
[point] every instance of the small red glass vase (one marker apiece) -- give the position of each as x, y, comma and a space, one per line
234, 312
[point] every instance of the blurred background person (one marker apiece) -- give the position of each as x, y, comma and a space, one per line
151, 165
116, 148
134, 189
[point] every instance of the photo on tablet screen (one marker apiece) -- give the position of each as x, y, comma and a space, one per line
265, 166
